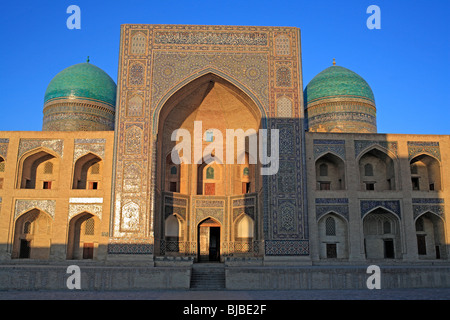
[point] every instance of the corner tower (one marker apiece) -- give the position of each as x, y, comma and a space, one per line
339, 100
80, 98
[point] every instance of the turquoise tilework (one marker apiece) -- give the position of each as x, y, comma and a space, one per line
337, 81
83, 80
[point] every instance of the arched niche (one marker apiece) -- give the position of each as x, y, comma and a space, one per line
83, 236
430, 234
87, 172
330, 172
38, 169
333, 236
381, 169
382, 238
32, 235
425, 173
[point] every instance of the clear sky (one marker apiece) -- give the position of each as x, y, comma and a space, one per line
406, 62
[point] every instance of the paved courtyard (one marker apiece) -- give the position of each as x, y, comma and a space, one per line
382, 294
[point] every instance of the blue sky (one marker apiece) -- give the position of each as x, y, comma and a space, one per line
406, 62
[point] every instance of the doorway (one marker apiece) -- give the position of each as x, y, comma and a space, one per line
25, 249
389, 249
208, 241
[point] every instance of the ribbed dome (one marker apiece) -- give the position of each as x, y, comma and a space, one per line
83, 80
337, 81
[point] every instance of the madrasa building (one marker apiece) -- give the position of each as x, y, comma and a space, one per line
98, 187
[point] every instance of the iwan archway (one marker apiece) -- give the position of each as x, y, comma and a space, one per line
197, 188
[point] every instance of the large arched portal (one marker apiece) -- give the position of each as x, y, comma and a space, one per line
217, 124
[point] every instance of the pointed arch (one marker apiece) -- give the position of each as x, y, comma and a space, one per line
430, 233
425, 172
333, 236
330, 172
245, 228
31, 168
382, 234
86, 174
384, 168
32, 234
83, 236
208, 74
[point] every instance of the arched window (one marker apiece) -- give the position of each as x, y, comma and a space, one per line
323, 170
48, 168
27, 227
387, 227
368, 170
330, 226
173, 170
419, 225
210, 173
89, 227
95, 168
246, 171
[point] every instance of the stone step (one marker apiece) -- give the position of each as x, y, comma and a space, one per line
208, 278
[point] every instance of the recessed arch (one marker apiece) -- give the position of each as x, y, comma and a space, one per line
32, 235
31, 172
208, 74
330, 172
425, 172
87, 172
430, 234
83, 236
245, 228
382, 235
333, 236
384, 169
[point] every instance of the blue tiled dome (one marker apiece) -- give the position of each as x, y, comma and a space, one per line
83, 80
337, 81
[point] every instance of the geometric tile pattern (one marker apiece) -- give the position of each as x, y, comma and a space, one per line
336, 205
391, 205
23, 205
422, 205
323, 146
418, 147
361, 145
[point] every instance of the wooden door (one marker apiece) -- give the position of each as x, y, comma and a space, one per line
88, 251
210, 189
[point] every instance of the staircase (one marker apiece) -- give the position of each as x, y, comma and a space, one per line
208, 276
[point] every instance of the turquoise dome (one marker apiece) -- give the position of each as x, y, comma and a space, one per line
83, 80
337, 81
